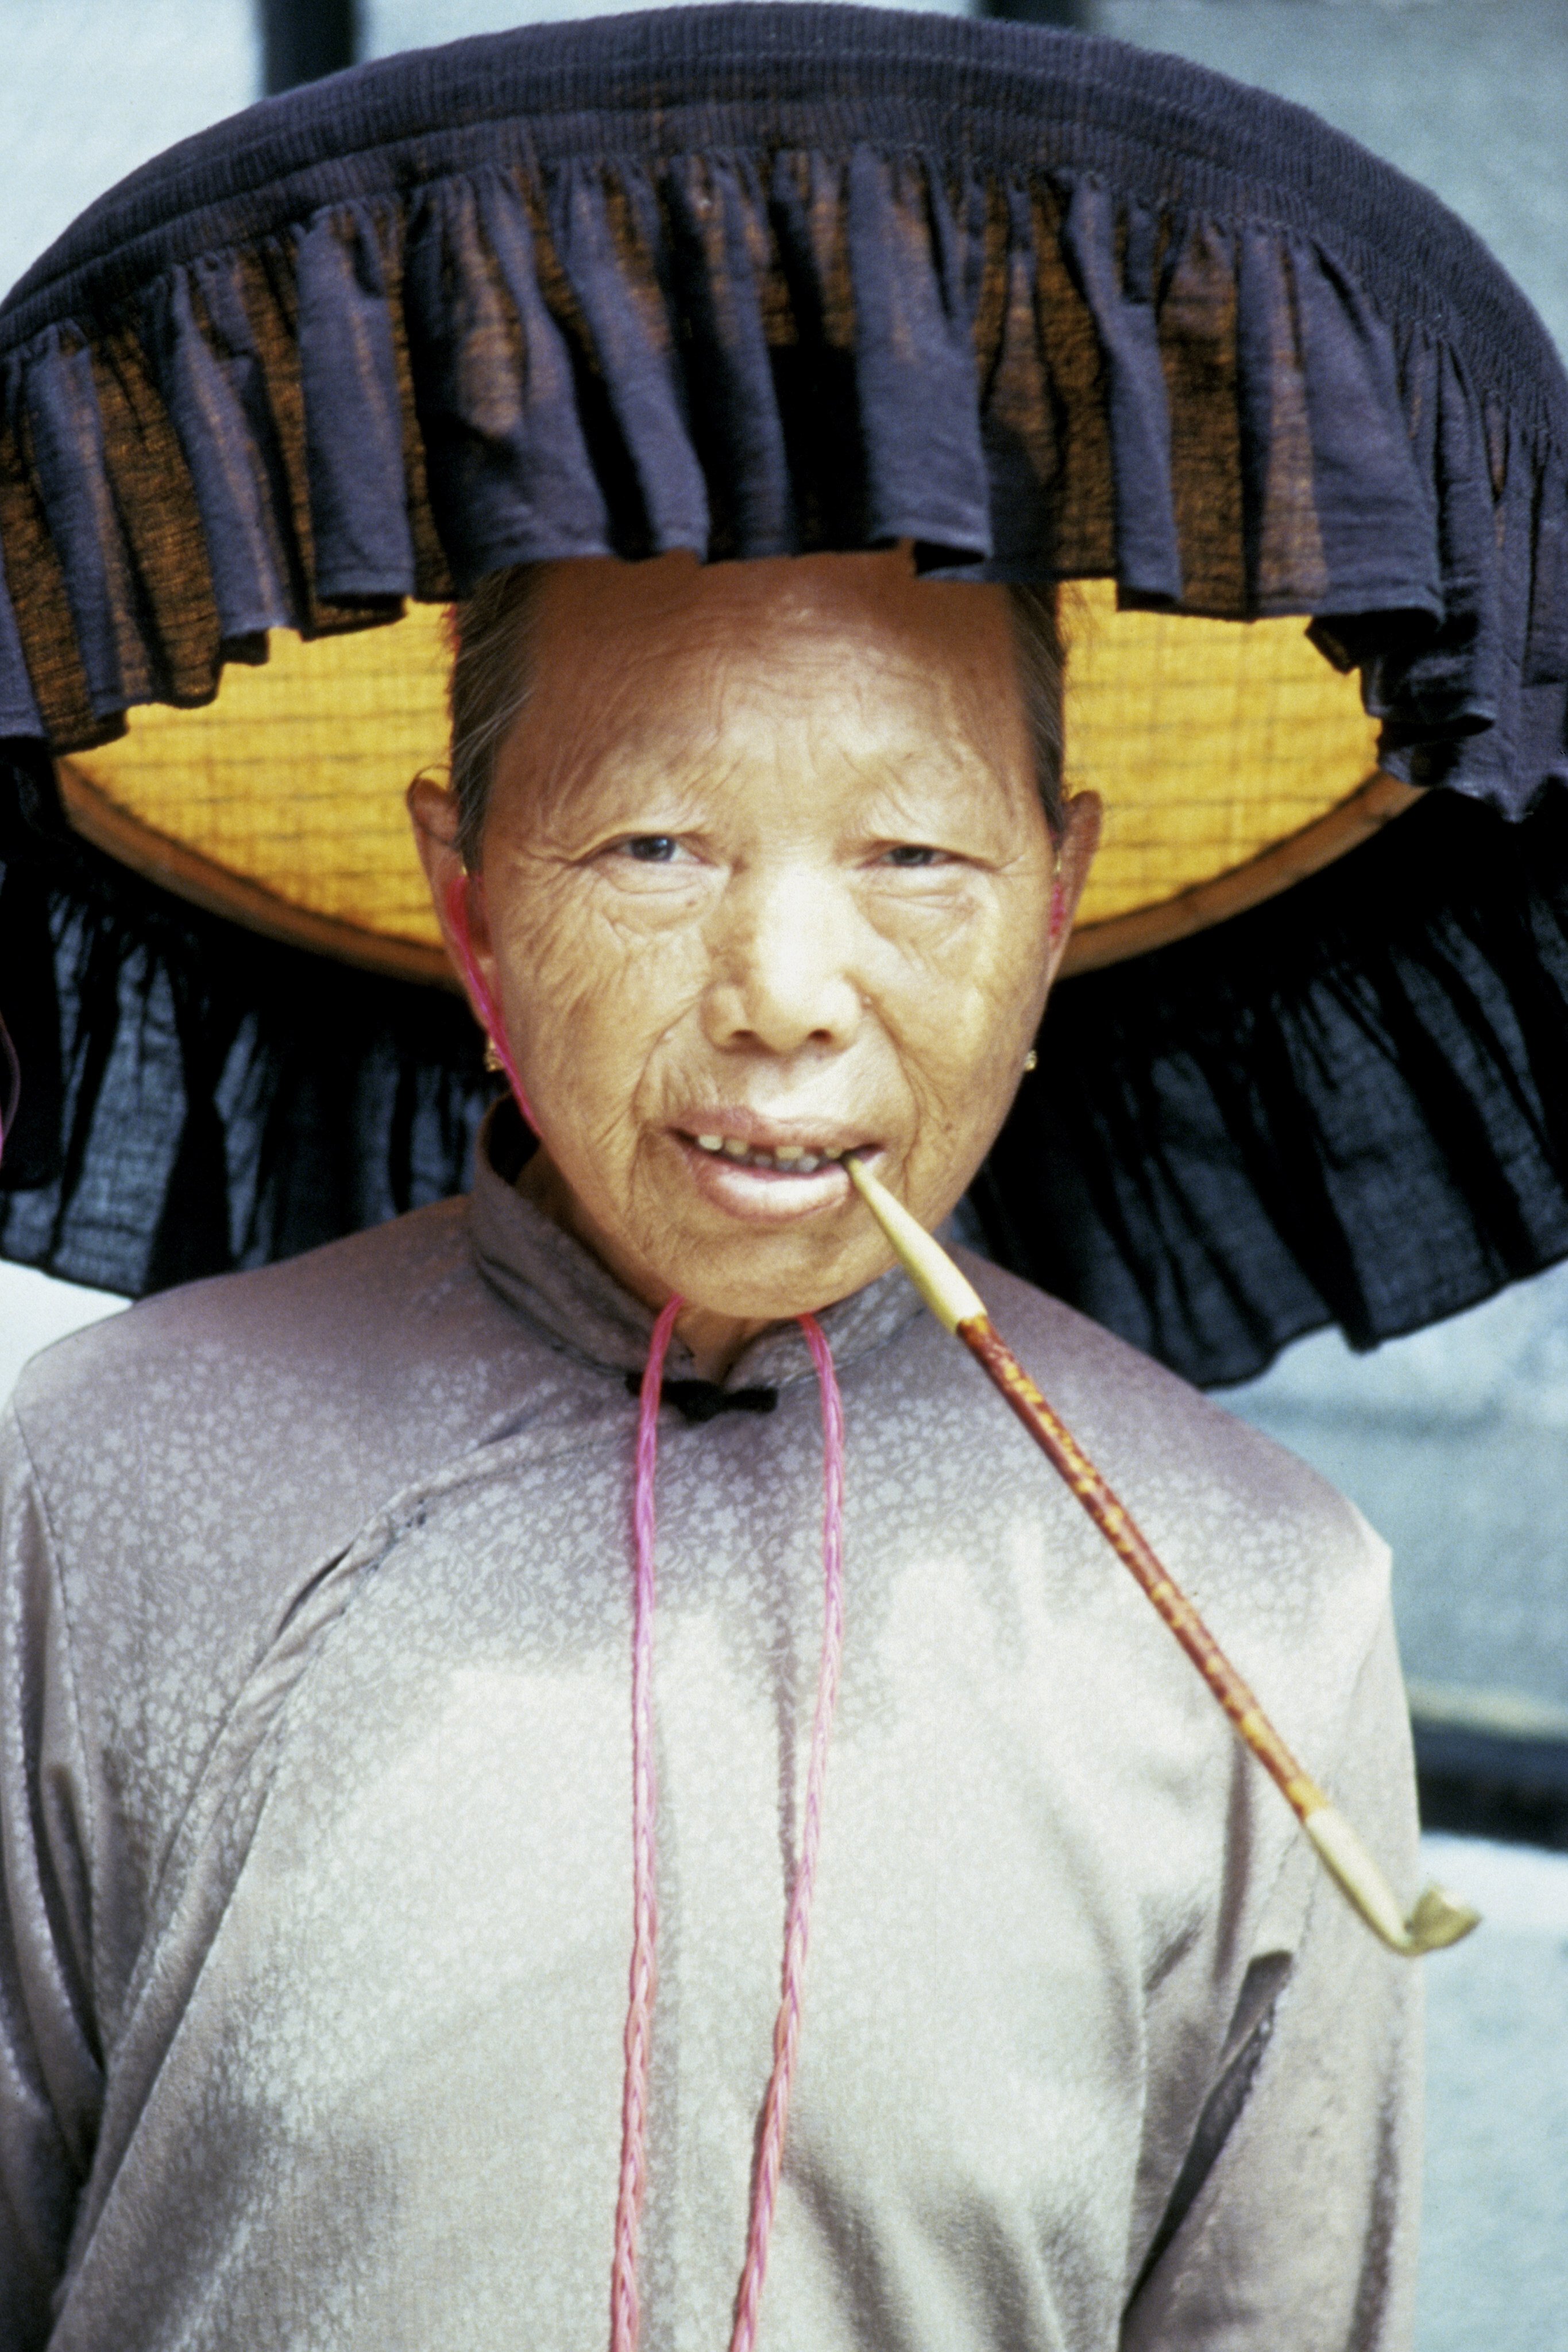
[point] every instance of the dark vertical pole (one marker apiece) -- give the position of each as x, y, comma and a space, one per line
1075, 15
303, 40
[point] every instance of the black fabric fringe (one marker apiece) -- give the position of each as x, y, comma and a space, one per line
1344, 1106
1347, 1106
195, 1098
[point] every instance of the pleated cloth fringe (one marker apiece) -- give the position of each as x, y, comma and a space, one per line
1345, 1106
193, 1098
1041, 304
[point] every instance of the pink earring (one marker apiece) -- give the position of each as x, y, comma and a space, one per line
498, 1052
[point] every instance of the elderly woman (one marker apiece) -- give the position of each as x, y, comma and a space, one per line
320, 1886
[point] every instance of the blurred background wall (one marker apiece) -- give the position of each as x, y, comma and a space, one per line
1454, 1442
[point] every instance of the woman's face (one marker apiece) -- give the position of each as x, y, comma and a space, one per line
765, 879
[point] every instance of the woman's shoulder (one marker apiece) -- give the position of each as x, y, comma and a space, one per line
1257, 1533
1137, 1404
284, 1404
343, 1312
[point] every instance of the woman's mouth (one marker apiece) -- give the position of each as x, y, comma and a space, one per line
768, 1176
784, 1159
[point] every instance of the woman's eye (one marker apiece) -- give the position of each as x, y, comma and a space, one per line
674, 855
912, 853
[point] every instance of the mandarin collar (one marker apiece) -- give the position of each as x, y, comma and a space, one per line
556, 1285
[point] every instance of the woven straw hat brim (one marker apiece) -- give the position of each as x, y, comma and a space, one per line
1232, 761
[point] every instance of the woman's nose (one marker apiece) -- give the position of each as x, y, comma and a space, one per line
781, 947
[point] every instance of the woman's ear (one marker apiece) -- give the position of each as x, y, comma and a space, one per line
1081, 820
433, 813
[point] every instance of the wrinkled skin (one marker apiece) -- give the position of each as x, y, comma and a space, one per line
764, 859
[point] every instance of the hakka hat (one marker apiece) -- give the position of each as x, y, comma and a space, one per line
750, 281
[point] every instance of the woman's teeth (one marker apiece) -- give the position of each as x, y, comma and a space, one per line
789, 1160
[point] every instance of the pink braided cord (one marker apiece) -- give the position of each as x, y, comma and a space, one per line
490, 1011
624, 2306
797, 1929
623, 2309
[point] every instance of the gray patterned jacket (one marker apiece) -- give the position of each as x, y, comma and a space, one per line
317, 1844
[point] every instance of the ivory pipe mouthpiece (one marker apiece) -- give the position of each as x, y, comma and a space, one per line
950, 1299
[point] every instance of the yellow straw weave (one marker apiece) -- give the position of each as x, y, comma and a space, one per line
1212, 742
